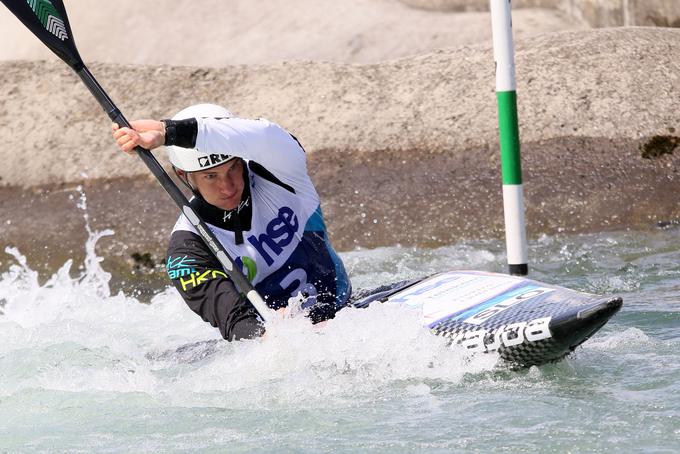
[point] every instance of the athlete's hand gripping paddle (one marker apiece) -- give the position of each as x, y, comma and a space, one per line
48, 21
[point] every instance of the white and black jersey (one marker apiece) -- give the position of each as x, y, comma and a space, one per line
277, 235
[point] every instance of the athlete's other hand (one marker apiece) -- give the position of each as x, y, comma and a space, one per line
147, 134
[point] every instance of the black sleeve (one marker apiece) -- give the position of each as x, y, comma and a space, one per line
181, 132
207, 290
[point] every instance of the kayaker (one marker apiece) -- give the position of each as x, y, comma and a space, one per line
250, 185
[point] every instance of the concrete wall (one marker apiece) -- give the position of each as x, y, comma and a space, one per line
449, 5
476, 5
662, 13
612, 13
597, 13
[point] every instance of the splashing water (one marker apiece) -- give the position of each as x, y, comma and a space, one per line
84, 370
72, 337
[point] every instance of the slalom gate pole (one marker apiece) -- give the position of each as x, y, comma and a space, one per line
511, 167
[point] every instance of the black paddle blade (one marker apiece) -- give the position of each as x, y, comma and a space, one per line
48, 21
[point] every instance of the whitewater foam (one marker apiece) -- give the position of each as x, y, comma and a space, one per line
72, 334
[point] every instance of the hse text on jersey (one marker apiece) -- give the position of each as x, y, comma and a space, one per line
279, 233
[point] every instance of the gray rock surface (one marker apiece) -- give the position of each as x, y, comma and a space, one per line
611, 83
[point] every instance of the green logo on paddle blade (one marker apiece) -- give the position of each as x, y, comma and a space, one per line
49, 17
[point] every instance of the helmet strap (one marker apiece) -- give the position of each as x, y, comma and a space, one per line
185, 180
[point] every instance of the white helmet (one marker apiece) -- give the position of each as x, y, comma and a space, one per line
192, 159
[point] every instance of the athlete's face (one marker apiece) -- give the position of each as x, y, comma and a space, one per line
221, 186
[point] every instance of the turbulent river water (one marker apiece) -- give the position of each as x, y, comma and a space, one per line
85, 370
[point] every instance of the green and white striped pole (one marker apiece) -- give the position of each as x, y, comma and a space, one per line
513, 197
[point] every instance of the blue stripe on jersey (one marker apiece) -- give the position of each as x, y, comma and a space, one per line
315, 222
343, 289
